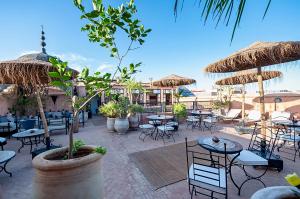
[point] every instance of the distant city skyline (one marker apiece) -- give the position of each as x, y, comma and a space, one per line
183, 47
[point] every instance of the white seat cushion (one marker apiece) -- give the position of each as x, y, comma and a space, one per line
210, 120
146, 126
165, 128
249, 158
154, 122
172, 123
56, 127
290, 137
192, 120
208, 175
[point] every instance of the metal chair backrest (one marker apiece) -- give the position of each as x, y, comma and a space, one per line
196, 156
263, 144
27, 124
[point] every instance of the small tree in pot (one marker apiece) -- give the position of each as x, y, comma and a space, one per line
121, 122
78, 161
110, 111
180, 112
134, 110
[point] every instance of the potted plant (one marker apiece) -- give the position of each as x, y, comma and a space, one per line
180, 112
121, 122
75, 171
134, 110
110, 111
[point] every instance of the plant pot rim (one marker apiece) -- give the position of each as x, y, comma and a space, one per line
121, 118
111, 117
41, 163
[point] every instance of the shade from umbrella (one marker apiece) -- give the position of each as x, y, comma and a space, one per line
258, 55
245, 77
173, 81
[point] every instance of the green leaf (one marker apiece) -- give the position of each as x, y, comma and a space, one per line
54, 74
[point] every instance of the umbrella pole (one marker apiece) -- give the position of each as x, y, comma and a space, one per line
243, 103
45, 125
262, 106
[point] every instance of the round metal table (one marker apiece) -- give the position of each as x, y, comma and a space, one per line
159, 117
33, 136
232, 147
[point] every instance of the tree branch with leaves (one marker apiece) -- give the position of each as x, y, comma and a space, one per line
101, 27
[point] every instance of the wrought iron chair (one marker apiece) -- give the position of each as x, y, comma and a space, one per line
289, 138
259, 154
207, 172
166, 131
146, 130
27, 124
210, 123
192, 121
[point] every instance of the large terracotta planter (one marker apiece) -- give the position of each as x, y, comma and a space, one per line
110, 124
121, 125
134, 121
78, 178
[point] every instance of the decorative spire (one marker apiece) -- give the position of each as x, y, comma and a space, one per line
43, 43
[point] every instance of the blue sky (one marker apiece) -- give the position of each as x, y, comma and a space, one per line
183, 47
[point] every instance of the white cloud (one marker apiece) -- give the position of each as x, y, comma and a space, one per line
105, 67
78, 62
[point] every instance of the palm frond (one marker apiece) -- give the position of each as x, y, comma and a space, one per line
217, 8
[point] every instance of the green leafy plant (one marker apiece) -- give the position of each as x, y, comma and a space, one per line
109, 109
218, 104
132, 85
135, 108
100, 150
103, 24
23, 104
178, 95
77, 144
179, 110
122, 106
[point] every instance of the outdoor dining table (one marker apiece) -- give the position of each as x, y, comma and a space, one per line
201, 115
232, 147
29, 137
162, 118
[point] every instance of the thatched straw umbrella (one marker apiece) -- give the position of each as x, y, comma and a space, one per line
30, 72
173, 81
258, 55
245, 77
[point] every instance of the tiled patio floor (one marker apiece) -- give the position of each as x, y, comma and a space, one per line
122, 179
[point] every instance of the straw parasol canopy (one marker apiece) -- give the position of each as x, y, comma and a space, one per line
31, 72
173, 81
257, 55
250, 77
245, 77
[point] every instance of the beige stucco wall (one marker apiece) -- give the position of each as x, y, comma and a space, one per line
290, 103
